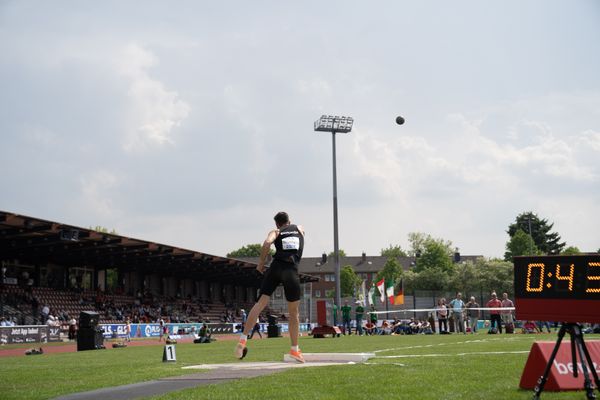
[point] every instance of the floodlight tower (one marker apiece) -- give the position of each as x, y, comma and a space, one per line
335, 124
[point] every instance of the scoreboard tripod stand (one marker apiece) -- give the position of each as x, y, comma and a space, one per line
577, 346
561, 288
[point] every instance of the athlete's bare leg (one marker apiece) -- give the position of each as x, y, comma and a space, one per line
240, 348
260, 305
294, 321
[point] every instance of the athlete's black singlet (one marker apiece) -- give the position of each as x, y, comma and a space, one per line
289, 244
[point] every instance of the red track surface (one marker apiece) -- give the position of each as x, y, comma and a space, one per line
71, 347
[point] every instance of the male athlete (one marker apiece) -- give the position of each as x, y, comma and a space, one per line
289, 243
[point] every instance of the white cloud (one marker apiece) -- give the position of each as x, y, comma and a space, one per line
154, 110
97, 191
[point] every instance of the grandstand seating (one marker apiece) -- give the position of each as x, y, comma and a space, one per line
72, 303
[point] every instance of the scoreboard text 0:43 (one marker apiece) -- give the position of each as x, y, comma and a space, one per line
558, 288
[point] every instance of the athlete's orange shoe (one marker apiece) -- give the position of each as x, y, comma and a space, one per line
240, 350
297, 355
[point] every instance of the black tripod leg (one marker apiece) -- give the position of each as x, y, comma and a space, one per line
587, 382
590, 363
574, 352
539, 388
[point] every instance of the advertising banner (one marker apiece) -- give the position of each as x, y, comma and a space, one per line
153, 330
23, 334
561, 373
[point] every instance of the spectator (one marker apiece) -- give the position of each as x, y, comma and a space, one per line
205, 334
255, 329
414, 326
385, 328
45, 313
371, 328
507, 316
346, 309
442, 315
373, 316
473, 314
163, 330
495, 321
244, 316
128, 330
426, 328
530, 327
72, 329
457, 311
543, 324
359, 312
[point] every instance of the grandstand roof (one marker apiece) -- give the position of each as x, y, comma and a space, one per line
35, 240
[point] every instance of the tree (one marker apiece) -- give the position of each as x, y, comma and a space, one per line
520, 244
250, 250
465, 278
417, 242
349, 281
409, 278
103, 229
342, 253
495, 275
570, 251
393, 251
545, 241
391, 271
431, 279
433, 253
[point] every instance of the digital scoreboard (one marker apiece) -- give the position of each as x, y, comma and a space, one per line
558, 288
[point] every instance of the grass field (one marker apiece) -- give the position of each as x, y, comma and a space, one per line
406, 367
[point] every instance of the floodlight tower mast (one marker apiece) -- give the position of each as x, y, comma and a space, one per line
334, 124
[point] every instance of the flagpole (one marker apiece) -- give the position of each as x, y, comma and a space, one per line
387, 300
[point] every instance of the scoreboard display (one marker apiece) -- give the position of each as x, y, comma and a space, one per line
558, 288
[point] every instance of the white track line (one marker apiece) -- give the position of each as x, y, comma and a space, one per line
452, 343
475, 353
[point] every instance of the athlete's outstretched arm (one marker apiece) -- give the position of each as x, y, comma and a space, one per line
264, 251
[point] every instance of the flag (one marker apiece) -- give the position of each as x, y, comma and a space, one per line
371, 297
389, 291
363, 292
380, 287
399, 299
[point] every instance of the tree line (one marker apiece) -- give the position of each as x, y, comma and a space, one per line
435, 269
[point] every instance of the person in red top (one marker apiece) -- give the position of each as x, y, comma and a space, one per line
495, 314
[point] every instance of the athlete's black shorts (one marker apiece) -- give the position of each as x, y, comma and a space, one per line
285, 273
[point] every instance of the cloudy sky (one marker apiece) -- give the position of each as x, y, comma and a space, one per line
191, 123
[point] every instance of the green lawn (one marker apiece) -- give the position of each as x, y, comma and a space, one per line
406, 367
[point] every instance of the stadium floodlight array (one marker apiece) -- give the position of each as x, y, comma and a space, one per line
334, 124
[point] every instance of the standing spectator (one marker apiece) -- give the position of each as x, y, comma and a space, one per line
346, 309
473, 314
244, 317
128, 330
457, 311
507, 316
495, 320
442, 315
72, 329
161, 328
45, 313
256, 329
359, 311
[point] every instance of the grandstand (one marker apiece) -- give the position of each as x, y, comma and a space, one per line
70, 269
